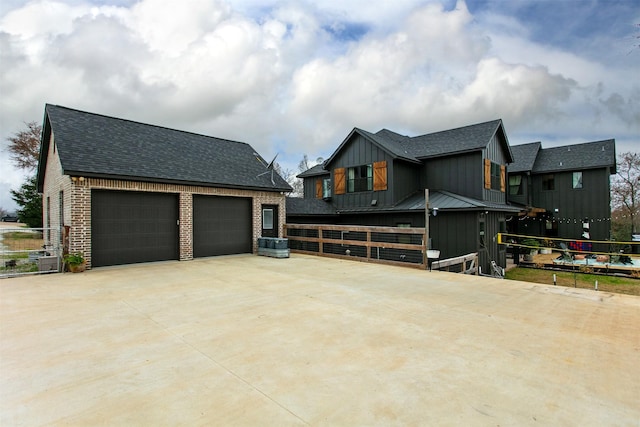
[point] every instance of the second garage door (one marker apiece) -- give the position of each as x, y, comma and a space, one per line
221, 226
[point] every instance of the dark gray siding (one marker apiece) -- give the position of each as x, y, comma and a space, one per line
406, 180
309, 186
454, 233
461, 174
495, 153
359, 151
524, 198
592, 202
489, 250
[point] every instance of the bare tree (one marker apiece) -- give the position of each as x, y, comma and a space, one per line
306, 164
291, 178
625, 189
24, 147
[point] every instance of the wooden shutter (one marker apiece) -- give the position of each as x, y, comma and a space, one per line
340, 183
318, 188
503, 178
380, 176
487, 174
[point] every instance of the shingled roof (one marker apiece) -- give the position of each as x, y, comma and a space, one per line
415, 149
460, 140
314, 171
589, 155
94, 145
524, 157
299, 206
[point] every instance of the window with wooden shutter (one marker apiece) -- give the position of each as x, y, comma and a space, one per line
339, 181
380, 176
503, 178
487, 174
318, 188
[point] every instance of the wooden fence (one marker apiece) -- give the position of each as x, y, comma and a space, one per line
388, 245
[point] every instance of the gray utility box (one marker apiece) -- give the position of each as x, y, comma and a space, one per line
48, 263
274, 247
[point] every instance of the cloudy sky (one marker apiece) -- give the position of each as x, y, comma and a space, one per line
294, 77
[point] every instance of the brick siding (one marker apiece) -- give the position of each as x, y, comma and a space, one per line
77, 204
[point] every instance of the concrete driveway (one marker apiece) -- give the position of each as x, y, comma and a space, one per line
247, 340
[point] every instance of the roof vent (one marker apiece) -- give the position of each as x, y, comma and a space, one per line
560, 163
603, 148
568, 148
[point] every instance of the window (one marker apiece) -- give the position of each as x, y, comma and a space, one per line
267, 219
548, 182
515, 185
360, 178
577, 180
494, 176
326, 188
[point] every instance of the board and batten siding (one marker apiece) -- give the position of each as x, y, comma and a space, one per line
592, 201
358, 152
495, 153
461, 174
406, 180
310, 185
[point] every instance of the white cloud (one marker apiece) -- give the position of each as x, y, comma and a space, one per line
291, 77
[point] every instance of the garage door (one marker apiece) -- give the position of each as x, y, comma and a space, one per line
129, 227
221, 226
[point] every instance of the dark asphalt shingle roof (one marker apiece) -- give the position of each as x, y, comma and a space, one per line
95, 145
393, 143
589, 155
314, 171
300, 206
415, 149
524, 157
459, 140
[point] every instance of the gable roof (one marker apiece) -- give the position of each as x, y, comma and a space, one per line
415, 149
524, 156
388, 143
94, 145
460, 140
589, 155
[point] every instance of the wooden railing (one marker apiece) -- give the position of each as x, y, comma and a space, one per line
462, 261
389, 245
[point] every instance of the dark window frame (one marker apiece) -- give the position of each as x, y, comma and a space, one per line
548, 182
580, 184
326, 188
359, 178
516, 188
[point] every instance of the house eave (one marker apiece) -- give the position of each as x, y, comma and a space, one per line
175, 182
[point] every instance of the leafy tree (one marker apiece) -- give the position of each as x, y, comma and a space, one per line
625, 193
29, 202
24, 147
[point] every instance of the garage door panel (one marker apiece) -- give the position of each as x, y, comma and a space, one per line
131, 227
221, 225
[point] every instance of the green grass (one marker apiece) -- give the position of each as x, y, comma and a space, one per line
617, 284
